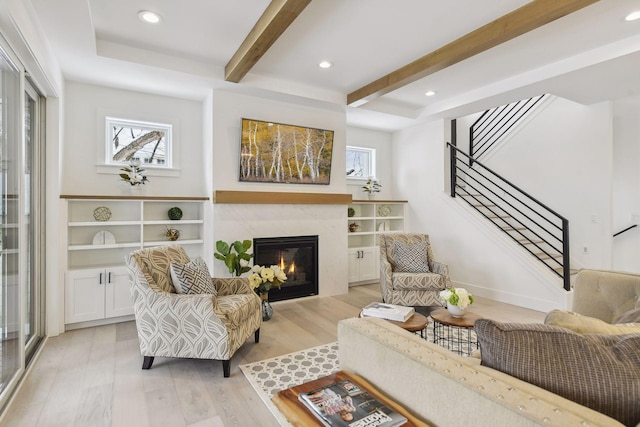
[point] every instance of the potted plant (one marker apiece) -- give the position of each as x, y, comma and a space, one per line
372, 187
237, 262
457, 299
262, 279
134, 175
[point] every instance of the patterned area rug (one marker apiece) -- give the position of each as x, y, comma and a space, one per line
269, 376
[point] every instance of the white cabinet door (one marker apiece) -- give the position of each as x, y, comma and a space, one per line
118, 300
84, 295
363, 264
354, 265
369, 263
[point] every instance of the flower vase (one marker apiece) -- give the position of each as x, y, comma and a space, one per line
372, 196
135, 189
267, 310
454, 310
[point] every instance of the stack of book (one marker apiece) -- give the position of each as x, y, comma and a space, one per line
345, 404
398, 313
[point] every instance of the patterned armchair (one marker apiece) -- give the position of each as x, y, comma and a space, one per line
201, 326
408, 273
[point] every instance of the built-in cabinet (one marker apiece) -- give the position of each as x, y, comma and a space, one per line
367, 220
101, 231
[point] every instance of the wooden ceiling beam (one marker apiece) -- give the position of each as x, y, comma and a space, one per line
520, 21
274, 21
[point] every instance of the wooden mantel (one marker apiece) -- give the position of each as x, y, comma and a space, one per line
270, 197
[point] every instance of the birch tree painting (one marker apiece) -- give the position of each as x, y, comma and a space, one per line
273, 152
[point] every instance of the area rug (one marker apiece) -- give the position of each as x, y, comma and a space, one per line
269, 376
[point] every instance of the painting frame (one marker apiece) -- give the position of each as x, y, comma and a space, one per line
280, 153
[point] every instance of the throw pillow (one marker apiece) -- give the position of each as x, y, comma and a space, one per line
631, 316
192, 278
411, 258
601, 372
587, 325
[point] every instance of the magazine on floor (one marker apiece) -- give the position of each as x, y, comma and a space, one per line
344, 404
388, 311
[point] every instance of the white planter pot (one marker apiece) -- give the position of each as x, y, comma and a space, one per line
454, 310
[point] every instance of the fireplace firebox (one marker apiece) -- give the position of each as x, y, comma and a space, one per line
297, 256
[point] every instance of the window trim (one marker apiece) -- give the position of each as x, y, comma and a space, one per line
109, 121
372, 162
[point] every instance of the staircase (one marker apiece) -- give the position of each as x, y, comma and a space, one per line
494, 125
537, 228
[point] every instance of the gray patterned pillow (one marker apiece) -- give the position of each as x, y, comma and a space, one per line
192, 278
601, 372
411, 258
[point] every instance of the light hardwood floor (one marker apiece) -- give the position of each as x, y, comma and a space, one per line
93, 376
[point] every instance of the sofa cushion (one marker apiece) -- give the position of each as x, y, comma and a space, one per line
631, 316
587, 325
192, 277
411, 258
601, 372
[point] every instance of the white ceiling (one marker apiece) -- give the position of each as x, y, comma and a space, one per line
589, 56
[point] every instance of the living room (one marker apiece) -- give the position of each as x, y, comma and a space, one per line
411, 161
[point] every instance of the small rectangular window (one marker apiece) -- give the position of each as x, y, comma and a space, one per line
361, 162
127, 140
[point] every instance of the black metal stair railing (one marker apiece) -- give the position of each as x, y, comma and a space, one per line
537, 228
625, 230
494, 124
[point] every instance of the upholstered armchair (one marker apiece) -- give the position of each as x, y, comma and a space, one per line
200, 325
408, 273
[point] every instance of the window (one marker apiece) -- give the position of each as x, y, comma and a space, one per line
361, 162
127, 140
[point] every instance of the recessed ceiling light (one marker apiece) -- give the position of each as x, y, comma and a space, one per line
633, 16
325, 64
149, 17
430, 93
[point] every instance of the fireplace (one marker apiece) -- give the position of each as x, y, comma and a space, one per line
297, 256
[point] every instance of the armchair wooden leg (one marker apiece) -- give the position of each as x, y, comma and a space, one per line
257, 335
147, 362
226, 368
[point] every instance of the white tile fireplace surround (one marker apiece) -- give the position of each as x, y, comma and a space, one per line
247, 221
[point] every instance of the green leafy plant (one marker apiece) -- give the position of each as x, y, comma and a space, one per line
237, 262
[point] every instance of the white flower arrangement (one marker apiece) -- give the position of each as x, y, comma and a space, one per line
372, 186
134, 174
457, 296
263, 278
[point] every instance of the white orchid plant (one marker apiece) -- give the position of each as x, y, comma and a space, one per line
372, 186
263, 278
457, 296
134, 174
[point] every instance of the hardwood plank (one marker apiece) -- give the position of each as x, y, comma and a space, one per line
271, 197
522, 20
274, 21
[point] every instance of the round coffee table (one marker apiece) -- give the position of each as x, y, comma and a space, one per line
455, 333
416, 323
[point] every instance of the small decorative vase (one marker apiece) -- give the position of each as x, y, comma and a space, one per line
267, 310
454, 310
372, 196
135, 189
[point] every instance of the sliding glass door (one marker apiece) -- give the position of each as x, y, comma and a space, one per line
11, 199
21, 231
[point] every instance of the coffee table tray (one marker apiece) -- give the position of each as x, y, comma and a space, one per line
299, 416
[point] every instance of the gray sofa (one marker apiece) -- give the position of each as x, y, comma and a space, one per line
447, 390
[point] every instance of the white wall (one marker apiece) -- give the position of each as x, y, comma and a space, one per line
626, 184
478, 258
86, 107
381, 142
247, 221
563, 157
